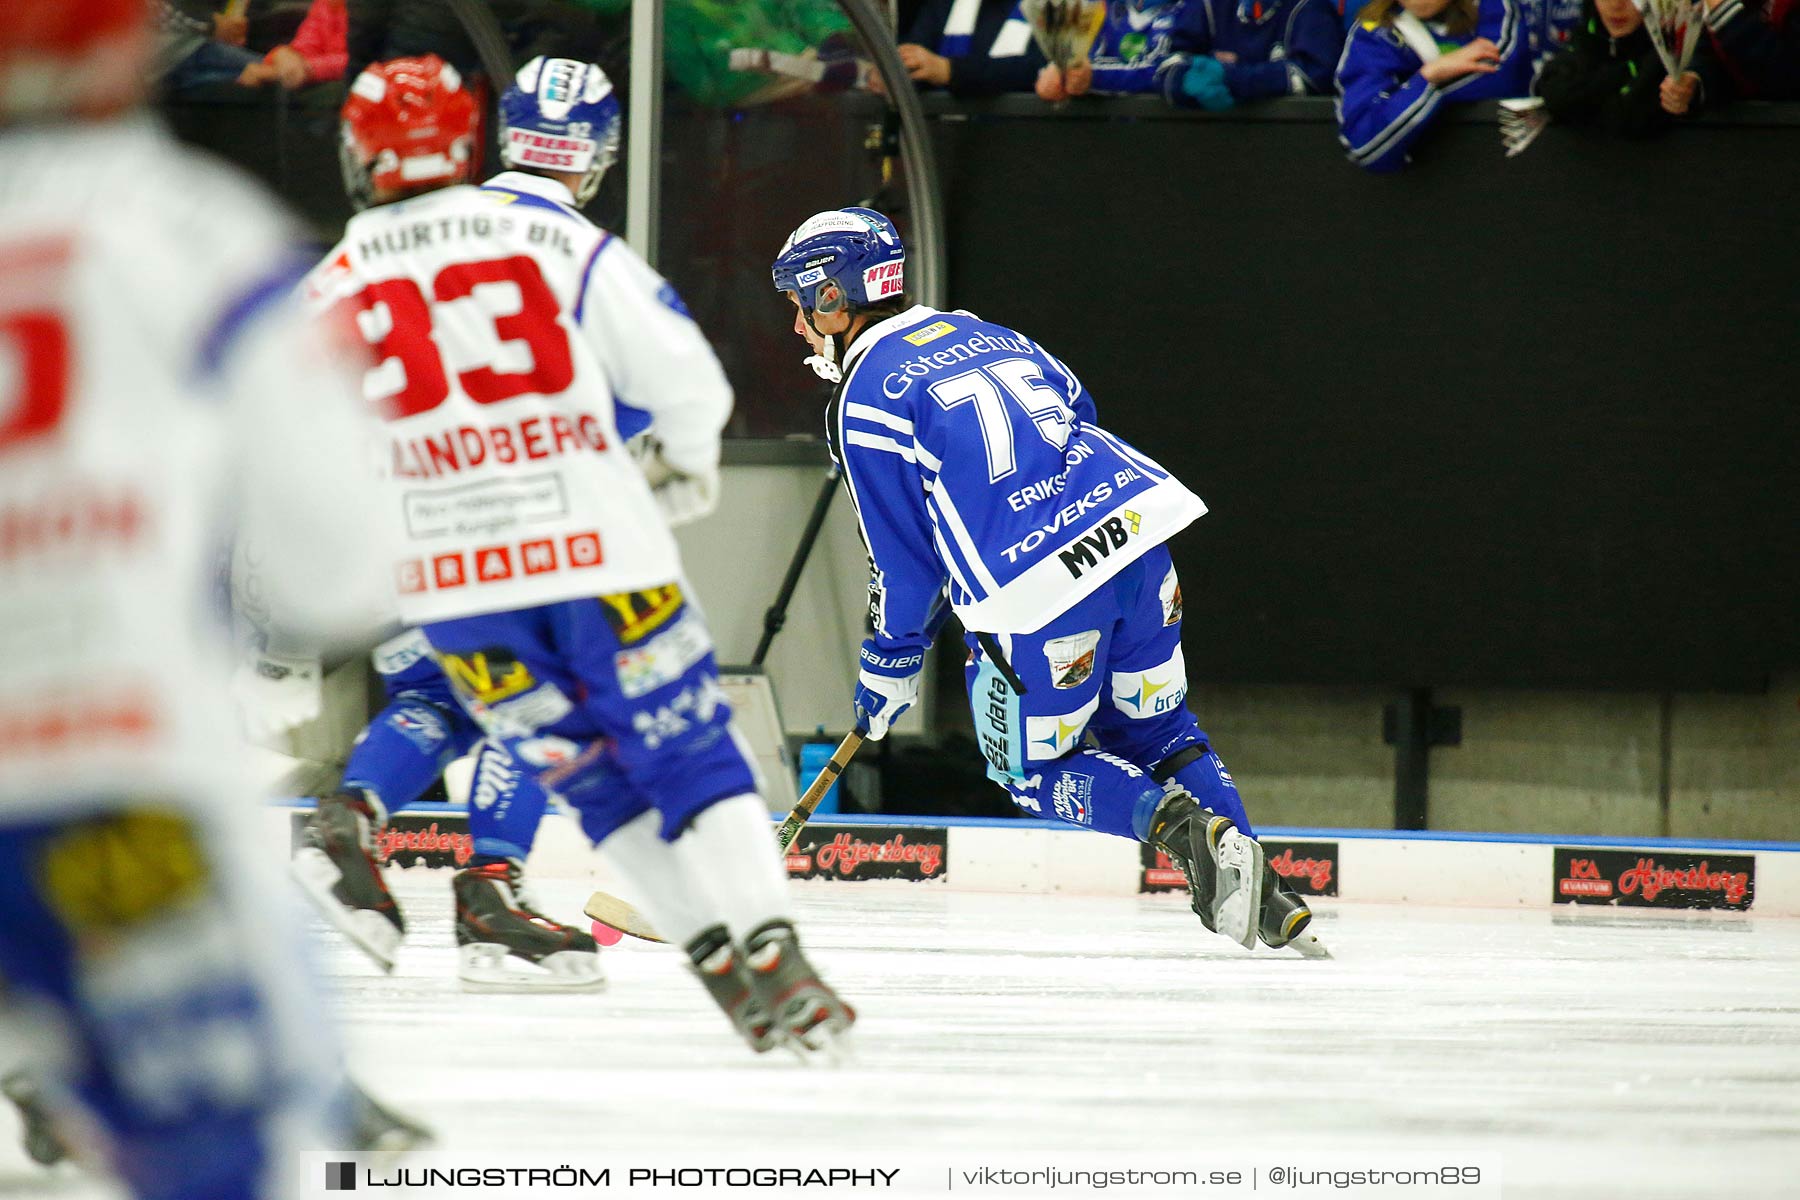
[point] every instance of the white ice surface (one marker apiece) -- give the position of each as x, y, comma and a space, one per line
1598, 1054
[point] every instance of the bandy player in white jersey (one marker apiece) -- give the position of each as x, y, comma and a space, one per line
538, 559
157, 387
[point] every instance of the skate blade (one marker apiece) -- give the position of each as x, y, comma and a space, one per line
487, 967
826, 1041
827, 1044
1309, 946
371, 932
377, 1129
393, 1135
1237, 913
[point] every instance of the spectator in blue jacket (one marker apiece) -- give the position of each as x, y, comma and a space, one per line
971, 48
1407, 58
1228, 51
1132, 49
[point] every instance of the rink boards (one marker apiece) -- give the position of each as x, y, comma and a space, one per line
1022, 856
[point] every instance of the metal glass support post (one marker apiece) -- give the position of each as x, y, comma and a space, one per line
643, 133
1412, 726
776, 616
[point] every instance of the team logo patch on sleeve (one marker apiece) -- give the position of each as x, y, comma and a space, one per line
635, 615
1072, 658
1171, 599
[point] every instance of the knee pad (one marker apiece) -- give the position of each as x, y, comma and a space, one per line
1201, 773
1166, 769
401, 753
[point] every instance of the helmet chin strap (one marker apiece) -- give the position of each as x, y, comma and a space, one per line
826, 365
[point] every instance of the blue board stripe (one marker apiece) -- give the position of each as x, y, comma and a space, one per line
1284, 832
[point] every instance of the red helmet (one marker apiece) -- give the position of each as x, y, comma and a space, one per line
408, 125
59, 56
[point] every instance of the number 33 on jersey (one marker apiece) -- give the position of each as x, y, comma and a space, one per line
503, 331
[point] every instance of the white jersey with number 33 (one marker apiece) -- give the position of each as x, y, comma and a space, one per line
504, 327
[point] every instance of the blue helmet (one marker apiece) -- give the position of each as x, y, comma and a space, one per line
561, 116
846, 259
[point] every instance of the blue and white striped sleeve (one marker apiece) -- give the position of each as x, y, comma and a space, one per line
1073, 390
1382, 106
886, 482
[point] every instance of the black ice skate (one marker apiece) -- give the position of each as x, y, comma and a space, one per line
507, 945
376, 1128
1285, 917
336, 868
39, 1132
721, 971
804, 1009
1224, 868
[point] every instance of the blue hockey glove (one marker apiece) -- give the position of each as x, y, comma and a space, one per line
886, 686
1204, 83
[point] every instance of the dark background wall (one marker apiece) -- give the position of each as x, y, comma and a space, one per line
1490, 421
1487, 422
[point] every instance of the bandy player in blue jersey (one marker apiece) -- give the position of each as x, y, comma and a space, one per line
982, 480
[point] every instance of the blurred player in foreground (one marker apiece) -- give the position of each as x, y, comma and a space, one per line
156, 387
978, 471
539, 561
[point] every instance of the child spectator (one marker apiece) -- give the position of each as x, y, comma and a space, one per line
1611, 77
1232, 50
971, 48
1133, 46
318, 53
1761, 50
1406, 58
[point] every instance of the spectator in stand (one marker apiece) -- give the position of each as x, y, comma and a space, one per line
971, 48
1407, 58
1134, 46
1611, 77
192, 53
1760, 49
1227, 51
1550, 26
317, 54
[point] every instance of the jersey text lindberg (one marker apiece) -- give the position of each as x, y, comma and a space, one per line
509, 334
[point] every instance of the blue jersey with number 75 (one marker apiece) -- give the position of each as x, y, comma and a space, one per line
977, 468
